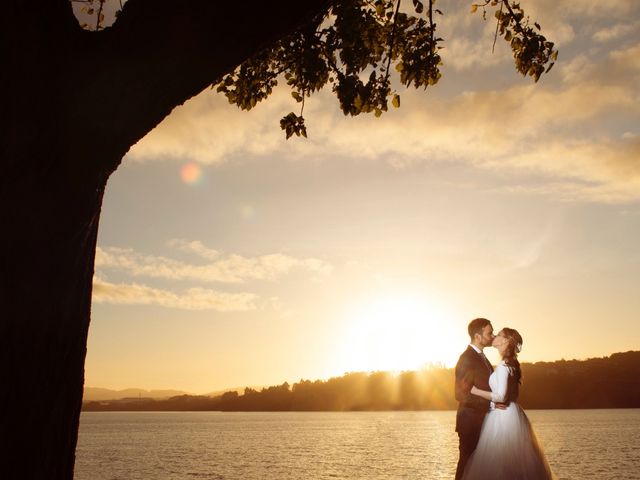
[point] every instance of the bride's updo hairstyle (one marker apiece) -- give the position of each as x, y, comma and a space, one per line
512, 351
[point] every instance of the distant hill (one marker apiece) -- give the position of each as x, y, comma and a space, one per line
96, 394
217, 393
608, 382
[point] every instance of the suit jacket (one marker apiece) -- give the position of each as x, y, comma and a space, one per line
471, 370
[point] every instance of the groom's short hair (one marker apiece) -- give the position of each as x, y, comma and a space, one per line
476, 325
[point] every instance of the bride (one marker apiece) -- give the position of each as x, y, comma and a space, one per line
508, 448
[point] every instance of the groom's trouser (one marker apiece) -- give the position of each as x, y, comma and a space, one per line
468, 442
469, 424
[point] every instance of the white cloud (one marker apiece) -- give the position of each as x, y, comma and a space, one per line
577, 69
195, 246
482, 128
606, 171
209, 129
593, 8
465, 53
627, 58
191, 299
231, 269
551, 127
615, 31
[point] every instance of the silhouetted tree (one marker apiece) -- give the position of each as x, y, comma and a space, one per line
410, 394
74, 101
595, 383
380, 391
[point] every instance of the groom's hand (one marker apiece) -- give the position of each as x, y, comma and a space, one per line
501, 405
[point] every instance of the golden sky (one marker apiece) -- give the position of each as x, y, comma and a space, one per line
230, 257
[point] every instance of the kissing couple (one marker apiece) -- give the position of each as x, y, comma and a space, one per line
496, 438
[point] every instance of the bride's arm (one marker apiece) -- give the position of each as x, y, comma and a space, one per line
500, 393
481, 393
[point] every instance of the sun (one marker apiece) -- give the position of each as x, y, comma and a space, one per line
395, 332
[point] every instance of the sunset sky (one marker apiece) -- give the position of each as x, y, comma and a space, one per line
228, 256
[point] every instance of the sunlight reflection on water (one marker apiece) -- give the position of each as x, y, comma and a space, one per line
580, 444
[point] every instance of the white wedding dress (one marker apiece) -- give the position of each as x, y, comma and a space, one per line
508, 448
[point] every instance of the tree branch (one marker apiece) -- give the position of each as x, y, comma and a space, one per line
160, 53
38, 17
391, 42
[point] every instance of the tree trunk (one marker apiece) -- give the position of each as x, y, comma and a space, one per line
47, 259
47, 249
73, 103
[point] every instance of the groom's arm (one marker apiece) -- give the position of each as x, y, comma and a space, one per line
489, 396
465, 380
499, 395
481, 393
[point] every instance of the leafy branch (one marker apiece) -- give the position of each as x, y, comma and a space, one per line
532, 52
352, 46
352, 49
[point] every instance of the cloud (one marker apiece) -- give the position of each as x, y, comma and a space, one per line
191, 299
613, 32
195, 246
558, 128
230, 269
210, 130
508, 128
592, 8
619, 67
465, 53
627, 58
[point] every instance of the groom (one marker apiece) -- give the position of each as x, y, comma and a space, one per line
472, 368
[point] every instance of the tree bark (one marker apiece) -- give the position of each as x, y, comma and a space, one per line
47, 269
74, 102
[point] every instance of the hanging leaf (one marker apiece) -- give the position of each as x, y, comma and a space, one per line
358, 47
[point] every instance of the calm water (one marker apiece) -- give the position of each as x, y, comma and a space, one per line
580, 444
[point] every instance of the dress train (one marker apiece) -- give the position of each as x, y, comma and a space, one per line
508, 449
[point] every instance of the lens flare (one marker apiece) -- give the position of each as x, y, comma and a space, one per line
191, 173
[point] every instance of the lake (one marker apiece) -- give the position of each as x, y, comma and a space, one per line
580, 444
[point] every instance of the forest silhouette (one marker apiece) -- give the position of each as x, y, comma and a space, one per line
608, 382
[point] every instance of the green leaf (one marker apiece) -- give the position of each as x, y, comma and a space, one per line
358, 102
357, 43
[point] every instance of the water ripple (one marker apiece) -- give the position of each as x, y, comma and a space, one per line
580, 444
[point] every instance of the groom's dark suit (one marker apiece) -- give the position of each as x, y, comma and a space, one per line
472, 368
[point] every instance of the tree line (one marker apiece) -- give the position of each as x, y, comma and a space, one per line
608, 382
